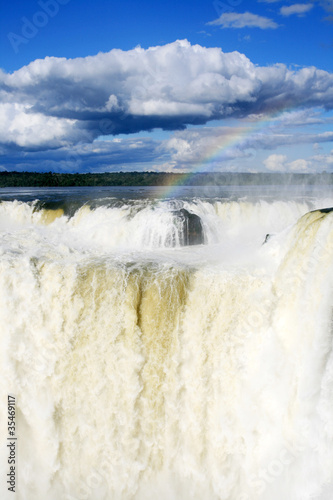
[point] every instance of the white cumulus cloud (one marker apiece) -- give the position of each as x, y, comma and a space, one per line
57, 101
275, 163
279, 163
299, 165
20, 125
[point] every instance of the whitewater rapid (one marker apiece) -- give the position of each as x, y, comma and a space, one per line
146, 369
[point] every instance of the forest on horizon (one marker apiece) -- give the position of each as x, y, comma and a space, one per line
51, 179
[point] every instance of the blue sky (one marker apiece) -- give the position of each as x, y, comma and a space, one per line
228, 85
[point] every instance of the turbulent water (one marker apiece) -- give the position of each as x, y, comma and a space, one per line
145, 366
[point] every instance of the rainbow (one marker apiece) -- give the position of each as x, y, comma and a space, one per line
235, 136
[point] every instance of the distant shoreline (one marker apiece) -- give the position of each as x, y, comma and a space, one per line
50, 179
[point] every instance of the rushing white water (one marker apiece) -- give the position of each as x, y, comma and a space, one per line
144, 369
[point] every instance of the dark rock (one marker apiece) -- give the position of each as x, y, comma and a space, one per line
267, 238
190, 227
324, 210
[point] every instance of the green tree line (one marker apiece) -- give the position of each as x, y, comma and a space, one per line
51, 179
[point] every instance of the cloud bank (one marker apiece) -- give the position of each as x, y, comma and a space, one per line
317, 163
58, 102
200, 148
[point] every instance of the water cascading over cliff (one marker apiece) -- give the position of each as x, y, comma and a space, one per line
144, 368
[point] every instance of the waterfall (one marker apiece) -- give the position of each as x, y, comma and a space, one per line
144, 369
